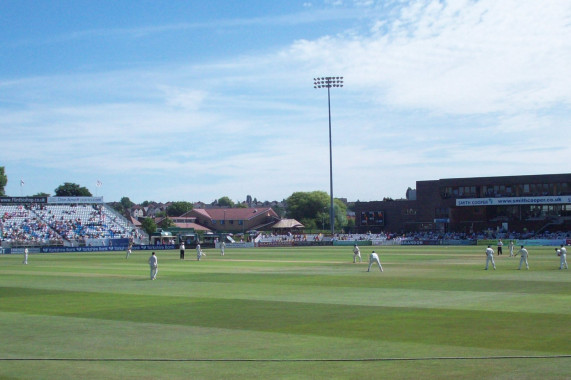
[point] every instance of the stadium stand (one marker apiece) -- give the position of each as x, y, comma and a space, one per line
67, 224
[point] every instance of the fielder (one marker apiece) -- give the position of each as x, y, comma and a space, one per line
356, 253
154, 264
524, 254
512, 248
222, 246
25, 256
562, 253
490, 257
129, 248
374, 258
199, 252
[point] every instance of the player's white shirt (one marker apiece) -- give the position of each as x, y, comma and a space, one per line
563, 251
153, 261
523, 252
489, 252
374, 257
356, 251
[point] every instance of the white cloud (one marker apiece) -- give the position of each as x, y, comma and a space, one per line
462, 57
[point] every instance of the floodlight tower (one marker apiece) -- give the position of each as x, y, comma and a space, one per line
328, 82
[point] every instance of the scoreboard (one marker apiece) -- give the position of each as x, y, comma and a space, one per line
373, 218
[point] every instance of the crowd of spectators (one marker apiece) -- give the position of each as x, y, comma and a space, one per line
294, 237
56, 224
489, 235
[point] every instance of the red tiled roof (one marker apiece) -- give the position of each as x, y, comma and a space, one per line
235, 213
197, 227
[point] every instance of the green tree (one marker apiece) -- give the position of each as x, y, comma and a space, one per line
310, 224
314, 206
126, 203
41, 195
166, 223
225, 202
178, 208
72, 190
3, 181
117, 206
304, 205
279, 210
149, 225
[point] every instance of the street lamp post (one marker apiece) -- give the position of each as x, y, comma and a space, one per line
328, 82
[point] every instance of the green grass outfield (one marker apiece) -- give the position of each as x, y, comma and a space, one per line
287, 313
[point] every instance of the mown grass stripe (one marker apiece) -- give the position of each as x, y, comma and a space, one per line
467, 328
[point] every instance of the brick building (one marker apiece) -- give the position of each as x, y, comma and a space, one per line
514, 203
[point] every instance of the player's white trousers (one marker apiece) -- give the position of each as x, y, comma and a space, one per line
523, 260
154, 271
375, 261
490, 259
355, 258
563, 262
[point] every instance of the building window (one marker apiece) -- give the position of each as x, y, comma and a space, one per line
240, 222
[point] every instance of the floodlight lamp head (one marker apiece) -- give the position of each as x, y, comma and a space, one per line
327, 82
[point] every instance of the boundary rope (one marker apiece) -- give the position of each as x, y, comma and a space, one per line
428, 358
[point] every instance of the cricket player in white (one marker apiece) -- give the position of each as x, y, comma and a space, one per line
25, 256
562, 253
490, 257
129, 248
524, 254
154, 264
222, 246
199, 252
356, 253
512, 248
374, 258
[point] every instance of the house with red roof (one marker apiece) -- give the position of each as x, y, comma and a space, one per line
234, 220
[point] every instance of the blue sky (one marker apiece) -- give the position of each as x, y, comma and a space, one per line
188, 100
